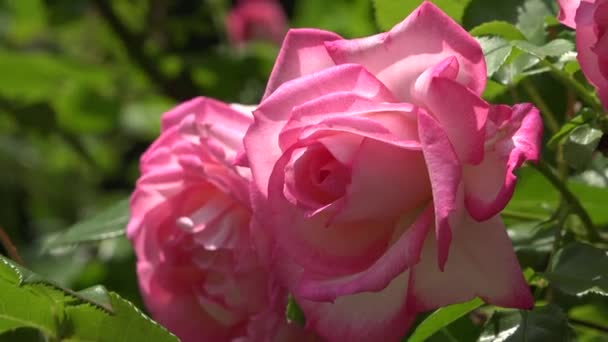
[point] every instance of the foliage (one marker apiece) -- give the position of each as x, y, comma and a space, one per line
84, 84
91, 314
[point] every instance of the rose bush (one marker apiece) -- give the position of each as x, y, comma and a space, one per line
590, 19
190, 214
256, 19
379, 174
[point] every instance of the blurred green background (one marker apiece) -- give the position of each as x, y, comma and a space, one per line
83, 84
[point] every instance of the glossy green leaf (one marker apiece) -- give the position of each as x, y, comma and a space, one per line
63, 314
515, 67
442, 318
565, 130
390, 12
526, 15
554, 48
547, 323
580, 146
96, 296
496, 50
498, 28
107, 224
579, 269
531, 19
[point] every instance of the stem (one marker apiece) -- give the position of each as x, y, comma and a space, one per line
522, 216
590, 325
10, 248
573, 202
571, 82
546, 112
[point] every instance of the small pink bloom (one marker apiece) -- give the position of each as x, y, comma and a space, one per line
379, 174
190, 215
590, 19
256, 19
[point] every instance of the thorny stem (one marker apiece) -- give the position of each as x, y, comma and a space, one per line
10, 248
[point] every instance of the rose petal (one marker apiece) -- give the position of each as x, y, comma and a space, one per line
376, 165
586, 39
368, 316
445, 175
481, 264
460, 112
170, 305
397, 118
567, 12
302, 53
400, 256
489, 185
423, 39
222, 125
261, 140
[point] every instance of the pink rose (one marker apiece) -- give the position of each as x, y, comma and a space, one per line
379, 174
198, 270
590, 19
256, 19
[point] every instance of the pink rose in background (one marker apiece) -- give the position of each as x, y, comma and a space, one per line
198, 271
590, 19
256, 19
379, 174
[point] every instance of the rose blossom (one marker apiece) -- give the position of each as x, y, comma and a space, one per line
198, 271
379, 174
590, 19
256, 19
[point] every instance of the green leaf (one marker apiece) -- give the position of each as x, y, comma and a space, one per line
95, 295
527, 15
499, 28
107, 224
63, 315
579, 269
565, 130
294, 313
547, 323
514, 69
531, 19
580, 145
391, 12
442, 318
496, 51
554, 48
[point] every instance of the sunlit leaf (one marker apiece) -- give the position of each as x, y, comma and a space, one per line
442, 318
499, 28
496, 50
28, 301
